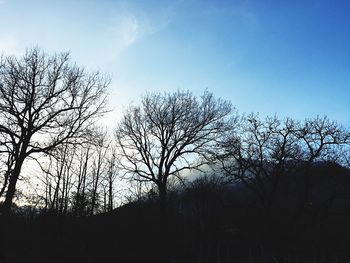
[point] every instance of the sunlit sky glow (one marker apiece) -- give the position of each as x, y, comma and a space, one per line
286, 57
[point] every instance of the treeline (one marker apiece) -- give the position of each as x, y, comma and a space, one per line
50, 109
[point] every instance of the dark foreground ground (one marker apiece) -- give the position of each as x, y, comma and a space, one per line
207, 222
139, 234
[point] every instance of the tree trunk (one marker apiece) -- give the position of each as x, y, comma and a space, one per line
6, 207
110, 195
94, 192
5, 182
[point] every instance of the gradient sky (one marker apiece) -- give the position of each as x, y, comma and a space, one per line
291, 58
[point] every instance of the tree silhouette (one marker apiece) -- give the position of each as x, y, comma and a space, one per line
45, 101
260, 152
170, 133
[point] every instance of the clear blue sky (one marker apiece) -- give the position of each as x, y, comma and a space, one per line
286, 57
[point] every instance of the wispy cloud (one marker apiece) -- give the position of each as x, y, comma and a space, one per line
130, 26
124, 32
128, 30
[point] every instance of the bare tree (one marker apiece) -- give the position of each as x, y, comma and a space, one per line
109, 179
58, 178
320, 139
84, 160
259, 152
170, 133
101, 147
45, 101
75, 174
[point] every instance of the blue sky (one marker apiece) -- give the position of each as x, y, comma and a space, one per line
291, 58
